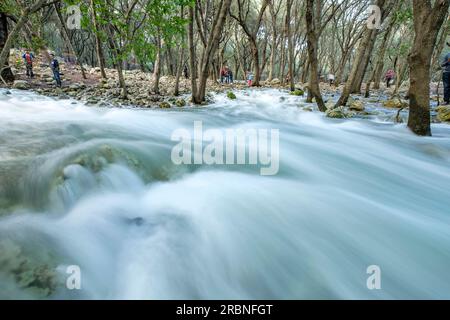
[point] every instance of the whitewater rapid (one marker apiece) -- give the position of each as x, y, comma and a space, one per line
96, 188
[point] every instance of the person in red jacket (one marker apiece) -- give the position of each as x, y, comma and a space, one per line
28, 57
390, 75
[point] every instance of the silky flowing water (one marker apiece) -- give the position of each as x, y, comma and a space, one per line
96, 188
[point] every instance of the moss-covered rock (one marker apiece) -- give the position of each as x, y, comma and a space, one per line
180, 103
164, 105
297, 92
336, 113
231, 95
444, 113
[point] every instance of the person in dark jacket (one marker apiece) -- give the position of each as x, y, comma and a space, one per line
446, 78
54, 64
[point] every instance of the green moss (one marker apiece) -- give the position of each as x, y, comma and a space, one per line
231, 95
297, 92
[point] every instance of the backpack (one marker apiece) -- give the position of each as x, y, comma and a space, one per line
28, 58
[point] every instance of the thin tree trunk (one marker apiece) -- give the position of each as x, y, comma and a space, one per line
312, 40
290, 44
157, 68
98, 43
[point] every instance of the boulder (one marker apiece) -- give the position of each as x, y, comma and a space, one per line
180, 103
444, 113
164, 105
395, 104
357, 105
336, 113
21, 85
275, 81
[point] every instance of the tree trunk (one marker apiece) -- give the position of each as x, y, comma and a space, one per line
211, 47
312, 40
192, 54
290, 44
361, 60
6, 73
157, 68
427, 23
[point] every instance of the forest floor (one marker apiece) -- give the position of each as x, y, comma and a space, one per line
106, 92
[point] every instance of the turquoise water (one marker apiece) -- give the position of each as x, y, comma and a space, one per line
96, 188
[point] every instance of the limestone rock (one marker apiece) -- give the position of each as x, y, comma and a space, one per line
395, 104
357, 105
444, 113
21, 85
336, 113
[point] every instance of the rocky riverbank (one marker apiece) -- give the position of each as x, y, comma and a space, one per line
96, 91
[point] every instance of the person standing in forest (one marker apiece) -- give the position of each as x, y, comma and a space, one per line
390, 75
249, 78
28, 57
54, 64
223, 74
230, 76
446, 78
186, 72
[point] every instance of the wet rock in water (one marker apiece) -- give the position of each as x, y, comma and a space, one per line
92, 101
34, 277
164, 105
443, 113
21, 85
297, 92
357, 105
336, 113
395, 104
180, 103
308, 109
231, 95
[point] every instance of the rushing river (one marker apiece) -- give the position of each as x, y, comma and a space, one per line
96, 188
